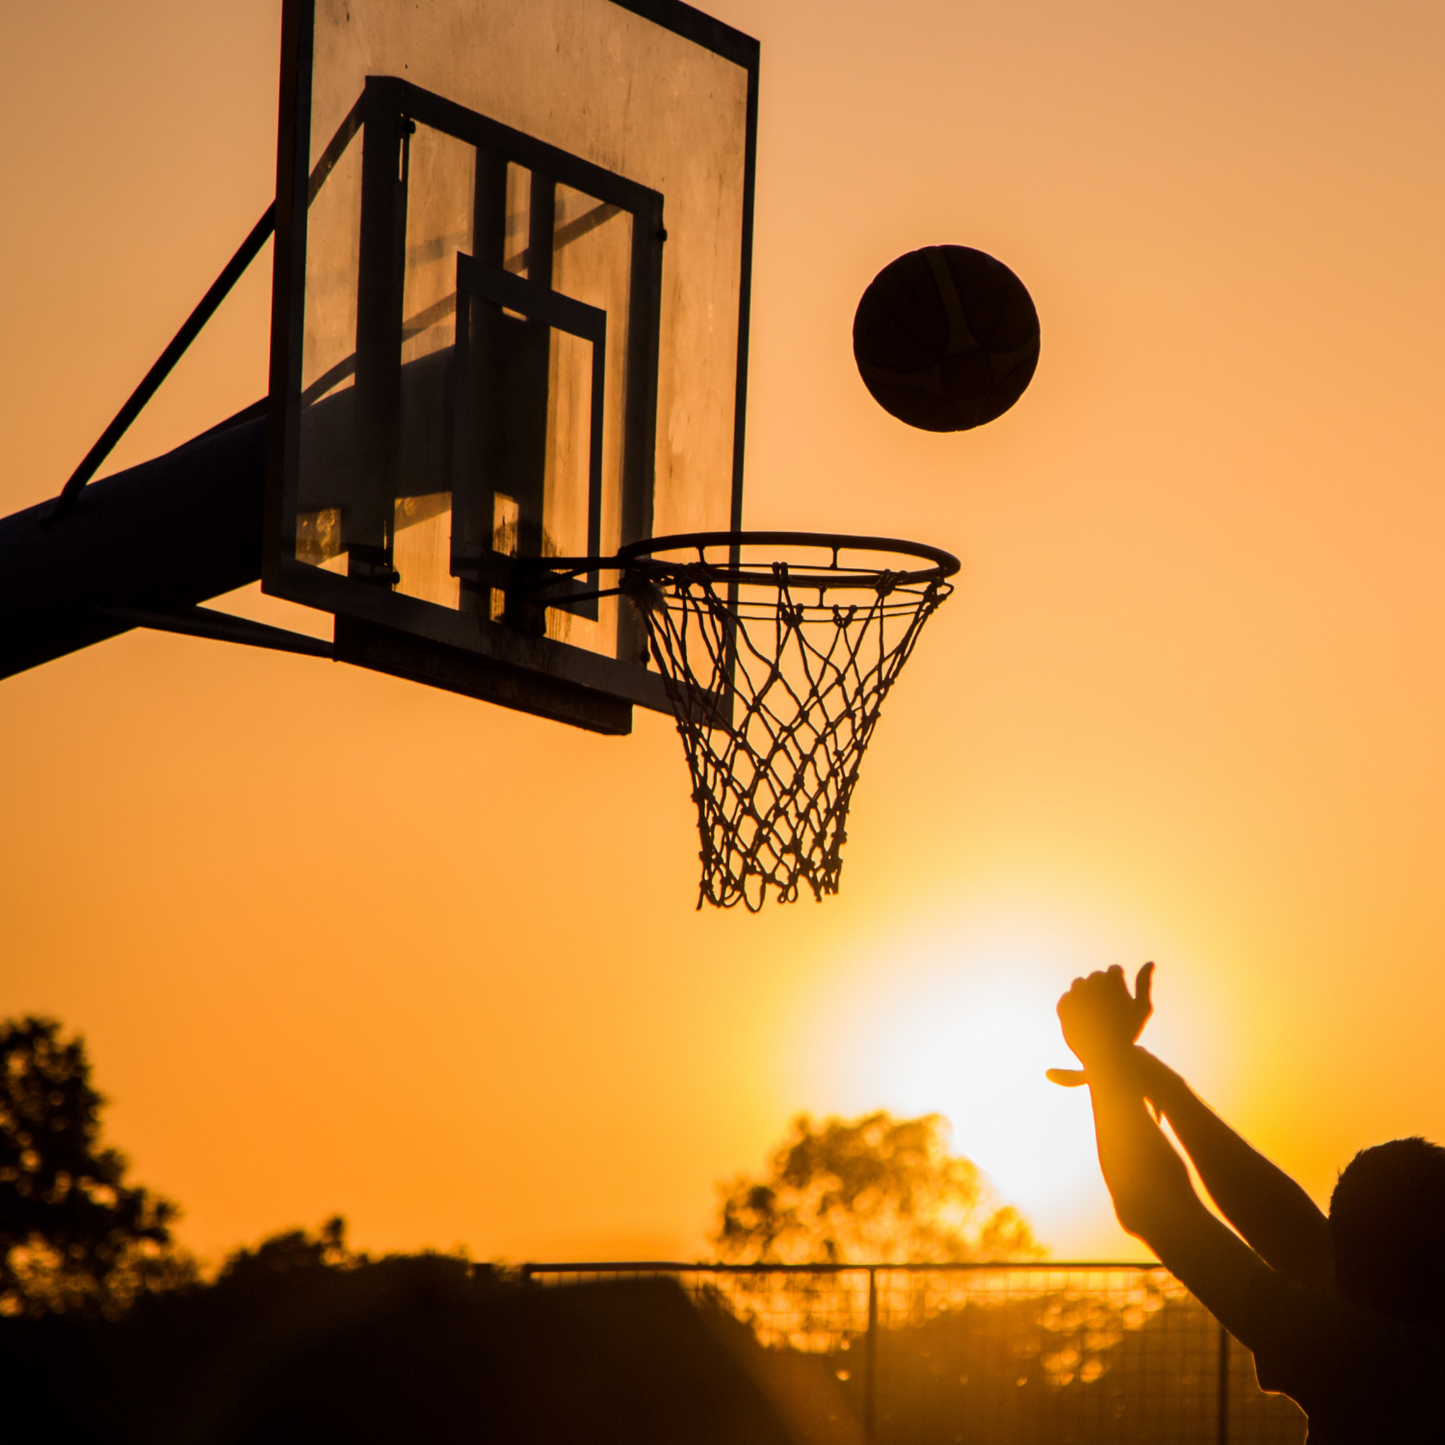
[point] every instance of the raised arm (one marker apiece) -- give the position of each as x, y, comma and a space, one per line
1263, 1203
1258, 1198
1152, 1193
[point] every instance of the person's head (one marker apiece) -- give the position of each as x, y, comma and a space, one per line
1387, 1226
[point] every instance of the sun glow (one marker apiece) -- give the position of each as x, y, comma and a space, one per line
966, 1028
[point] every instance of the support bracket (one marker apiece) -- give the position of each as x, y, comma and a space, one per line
222, 627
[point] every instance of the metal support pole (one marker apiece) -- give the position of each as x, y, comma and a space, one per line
870, 1380
156, 540
1222, 1407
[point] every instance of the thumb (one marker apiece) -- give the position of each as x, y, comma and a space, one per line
1143, 988
1067, 1078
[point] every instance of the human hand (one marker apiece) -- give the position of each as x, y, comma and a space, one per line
1100, 1017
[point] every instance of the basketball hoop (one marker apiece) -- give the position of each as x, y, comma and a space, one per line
777, 650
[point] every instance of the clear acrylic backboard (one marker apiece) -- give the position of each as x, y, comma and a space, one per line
510, 322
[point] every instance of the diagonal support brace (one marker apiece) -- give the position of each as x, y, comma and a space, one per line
165, 363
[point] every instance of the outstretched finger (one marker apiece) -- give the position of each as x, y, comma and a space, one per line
1066, 1078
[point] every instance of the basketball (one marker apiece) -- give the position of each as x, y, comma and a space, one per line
946, 338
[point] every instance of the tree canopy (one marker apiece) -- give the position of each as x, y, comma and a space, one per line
74, 1235
875, 1188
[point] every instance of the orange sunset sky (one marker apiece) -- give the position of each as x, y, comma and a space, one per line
342, 943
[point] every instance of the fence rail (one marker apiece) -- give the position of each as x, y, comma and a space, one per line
1050, 1353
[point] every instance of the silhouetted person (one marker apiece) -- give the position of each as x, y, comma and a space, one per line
1345, 1314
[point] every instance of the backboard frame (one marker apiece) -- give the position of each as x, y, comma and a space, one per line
392, 632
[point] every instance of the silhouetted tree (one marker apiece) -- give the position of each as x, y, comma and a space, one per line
292, 1251
74, 1236
871, 1188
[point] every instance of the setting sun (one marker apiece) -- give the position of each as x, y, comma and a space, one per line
962, 1023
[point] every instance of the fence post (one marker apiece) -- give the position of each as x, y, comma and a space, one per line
870, 1396
1222, 1410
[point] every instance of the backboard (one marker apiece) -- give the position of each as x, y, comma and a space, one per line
513, 241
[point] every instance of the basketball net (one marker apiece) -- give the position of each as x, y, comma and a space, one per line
776, 689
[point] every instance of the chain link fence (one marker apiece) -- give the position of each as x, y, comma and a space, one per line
998, 1354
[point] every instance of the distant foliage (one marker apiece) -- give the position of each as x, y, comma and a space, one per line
74, 1236
873, 1188
289, 1253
